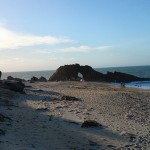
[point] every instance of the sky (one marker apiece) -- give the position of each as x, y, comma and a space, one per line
45, 34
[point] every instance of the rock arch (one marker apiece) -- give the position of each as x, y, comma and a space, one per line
70, 72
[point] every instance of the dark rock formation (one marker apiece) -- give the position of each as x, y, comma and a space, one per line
67, 72
34, 79
69, 98
89, 74
42, 79
10, 78
70, 72
16, 79
13, 85
121, 77
0, 75
90, 123
5, 97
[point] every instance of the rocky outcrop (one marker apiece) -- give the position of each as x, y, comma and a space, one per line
42, 79
121, 77
89, 74
16, 79
90, 123
13, 85
35, 79
69, 98
67, 72
0, 75
70, 72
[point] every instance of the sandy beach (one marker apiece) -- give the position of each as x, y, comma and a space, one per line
42, 120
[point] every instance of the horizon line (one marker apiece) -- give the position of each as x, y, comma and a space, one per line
75, 63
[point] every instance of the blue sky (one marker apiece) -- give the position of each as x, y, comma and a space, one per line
44, 34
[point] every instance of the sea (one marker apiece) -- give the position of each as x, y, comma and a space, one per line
140, 71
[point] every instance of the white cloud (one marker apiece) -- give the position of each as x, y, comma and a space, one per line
82, 48
85, 48
10, 39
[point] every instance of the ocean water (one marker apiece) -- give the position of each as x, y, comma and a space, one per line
140, 71
143, 84
137, 84
27, 75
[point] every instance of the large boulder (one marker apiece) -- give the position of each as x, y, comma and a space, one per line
13, 85
5, 96
34, 79
70, 72
42, 79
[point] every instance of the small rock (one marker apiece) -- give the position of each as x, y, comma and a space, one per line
129, 116
90, 123
111, 146
69, 98
42, 109
33, 79
42, 79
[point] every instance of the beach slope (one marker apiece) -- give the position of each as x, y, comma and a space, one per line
50, 116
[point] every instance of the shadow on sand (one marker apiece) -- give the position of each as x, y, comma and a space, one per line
43, 130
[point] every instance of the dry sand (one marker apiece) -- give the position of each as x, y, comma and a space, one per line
42, 121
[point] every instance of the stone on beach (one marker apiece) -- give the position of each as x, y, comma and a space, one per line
33, 79
13, 85
69, 98
42, 79
90, 123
